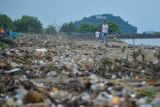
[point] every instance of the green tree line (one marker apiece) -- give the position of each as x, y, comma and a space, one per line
26, 24
69, 28
30, 24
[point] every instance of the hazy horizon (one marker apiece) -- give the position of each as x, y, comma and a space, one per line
140, 13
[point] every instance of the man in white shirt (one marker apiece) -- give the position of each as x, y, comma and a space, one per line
105, 33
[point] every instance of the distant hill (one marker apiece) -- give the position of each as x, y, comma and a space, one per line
125, 28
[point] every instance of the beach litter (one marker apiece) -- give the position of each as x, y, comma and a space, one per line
73, 73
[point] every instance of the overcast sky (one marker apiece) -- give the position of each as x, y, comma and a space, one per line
144, 14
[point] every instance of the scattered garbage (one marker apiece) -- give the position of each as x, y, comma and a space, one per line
46, 71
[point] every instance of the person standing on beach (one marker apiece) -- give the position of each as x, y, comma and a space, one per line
97, 33
105, 33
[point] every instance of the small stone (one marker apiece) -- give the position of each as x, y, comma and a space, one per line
33, 97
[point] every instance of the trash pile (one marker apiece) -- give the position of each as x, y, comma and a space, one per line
71, 72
